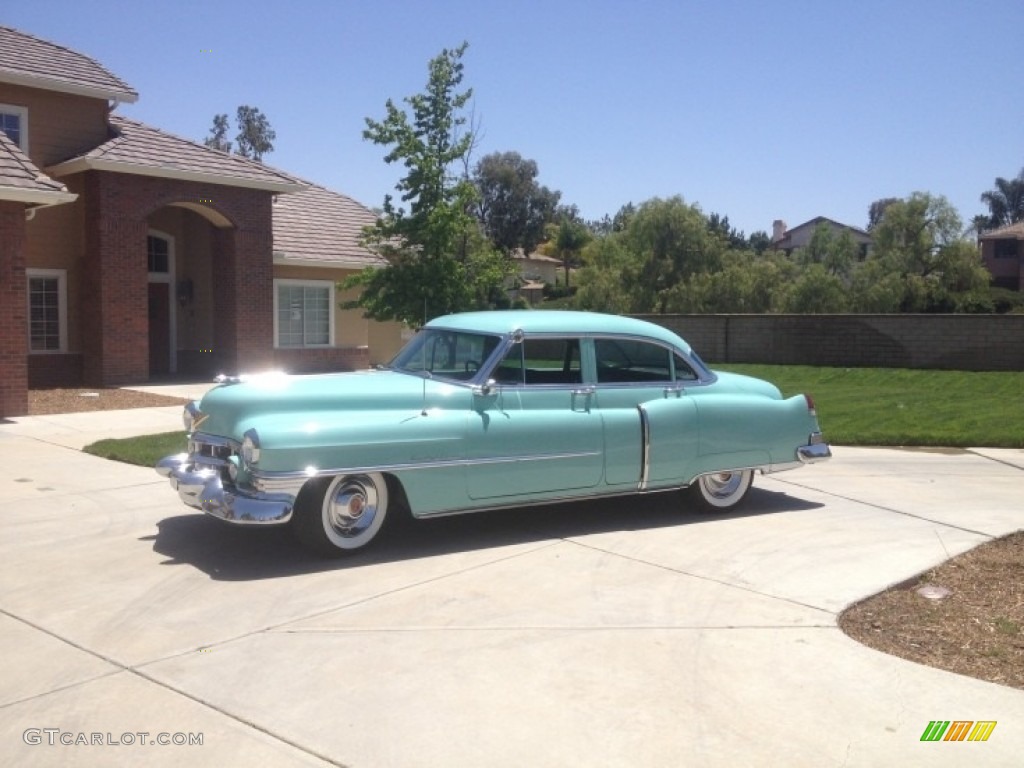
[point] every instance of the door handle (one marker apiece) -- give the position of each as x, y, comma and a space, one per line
677, 391
583, 391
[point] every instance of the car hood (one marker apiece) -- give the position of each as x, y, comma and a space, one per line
229, 407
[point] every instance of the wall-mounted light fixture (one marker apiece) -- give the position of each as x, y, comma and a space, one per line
185, 291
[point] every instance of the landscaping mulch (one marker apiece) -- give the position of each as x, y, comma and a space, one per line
47, 401
977, 630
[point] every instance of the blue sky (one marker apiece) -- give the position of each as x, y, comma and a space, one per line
756, 110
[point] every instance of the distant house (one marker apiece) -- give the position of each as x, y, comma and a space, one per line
127, 253
1002, 251
533, 272
788, 240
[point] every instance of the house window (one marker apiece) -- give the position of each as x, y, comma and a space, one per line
14, 122
303, 313
47, 310
1006, 249
158, 250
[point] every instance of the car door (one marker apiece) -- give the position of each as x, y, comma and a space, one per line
650, 422
534, 431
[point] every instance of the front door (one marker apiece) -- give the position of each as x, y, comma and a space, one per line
536, 433
159, 328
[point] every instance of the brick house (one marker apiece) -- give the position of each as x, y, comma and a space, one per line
127, 253
1002, 251
788, 240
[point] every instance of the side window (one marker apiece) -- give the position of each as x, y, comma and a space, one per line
628, 361
541, 361
684, 371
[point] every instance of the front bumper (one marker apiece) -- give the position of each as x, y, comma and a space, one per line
201, 487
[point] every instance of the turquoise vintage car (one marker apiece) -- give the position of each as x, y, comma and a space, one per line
485, 410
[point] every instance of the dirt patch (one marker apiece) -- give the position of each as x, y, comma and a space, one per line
44, 401
977, 630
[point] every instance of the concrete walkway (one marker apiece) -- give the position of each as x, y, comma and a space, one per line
626, 633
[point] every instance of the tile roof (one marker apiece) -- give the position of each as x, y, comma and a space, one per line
321, 226
138, 148
1008, 232
27, 60
21, 181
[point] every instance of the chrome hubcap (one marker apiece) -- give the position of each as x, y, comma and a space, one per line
352, 507
722, 485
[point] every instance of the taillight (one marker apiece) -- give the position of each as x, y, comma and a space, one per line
810, 405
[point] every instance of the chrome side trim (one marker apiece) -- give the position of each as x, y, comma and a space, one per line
543, 502
279, 482
645, 448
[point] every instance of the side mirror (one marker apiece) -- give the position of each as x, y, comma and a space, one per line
487, 388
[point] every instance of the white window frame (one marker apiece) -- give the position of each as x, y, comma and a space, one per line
331, 301
62, 308
22, 113
169, 278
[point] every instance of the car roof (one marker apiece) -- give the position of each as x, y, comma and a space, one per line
505, 321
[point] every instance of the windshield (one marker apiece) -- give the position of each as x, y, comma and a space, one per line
446, 354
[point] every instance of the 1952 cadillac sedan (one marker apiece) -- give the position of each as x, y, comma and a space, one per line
485, 410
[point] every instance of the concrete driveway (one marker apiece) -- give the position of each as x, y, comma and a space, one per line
625, 633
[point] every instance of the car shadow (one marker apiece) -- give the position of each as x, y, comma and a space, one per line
229, 553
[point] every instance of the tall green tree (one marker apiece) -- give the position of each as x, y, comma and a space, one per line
920, 240
572, 236
513, 207
255, 136
1006, 201
218, 138
438, 261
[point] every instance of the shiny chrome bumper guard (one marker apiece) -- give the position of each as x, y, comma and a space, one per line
201, 486
816, 449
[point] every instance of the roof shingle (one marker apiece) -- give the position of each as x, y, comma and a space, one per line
27, 60
318, 225
20, 180
142, 149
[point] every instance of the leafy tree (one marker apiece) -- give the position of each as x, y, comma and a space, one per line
1006, 201
601, 281
837, 253
877, 211
720, 225
255, 136
218, 134
816, 291
919, 239
759, 241
570, 239
673, 242
438, 262
513, 208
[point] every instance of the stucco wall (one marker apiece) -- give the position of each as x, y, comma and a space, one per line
955, 342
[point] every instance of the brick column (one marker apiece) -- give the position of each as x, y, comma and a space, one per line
243, 285
13, 311
115, 301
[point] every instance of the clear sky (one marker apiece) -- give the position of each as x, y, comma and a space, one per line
755, 109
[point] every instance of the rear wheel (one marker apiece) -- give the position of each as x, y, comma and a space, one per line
340, 514
719, 491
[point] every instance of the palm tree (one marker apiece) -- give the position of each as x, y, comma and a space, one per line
1005, 202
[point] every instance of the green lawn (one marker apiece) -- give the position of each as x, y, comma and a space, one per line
144, 451
888, 406
856, 406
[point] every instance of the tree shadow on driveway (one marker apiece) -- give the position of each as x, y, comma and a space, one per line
231, 553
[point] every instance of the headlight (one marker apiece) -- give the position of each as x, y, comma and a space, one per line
251, 447
192, 417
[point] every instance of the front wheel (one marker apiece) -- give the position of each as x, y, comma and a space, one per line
719, 491
340, 514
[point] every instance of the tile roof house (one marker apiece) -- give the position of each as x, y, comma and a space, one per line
788, 240
1002, 251
128, 253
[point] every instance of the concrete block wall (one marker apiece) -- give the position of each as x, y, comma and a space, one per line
953, 342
